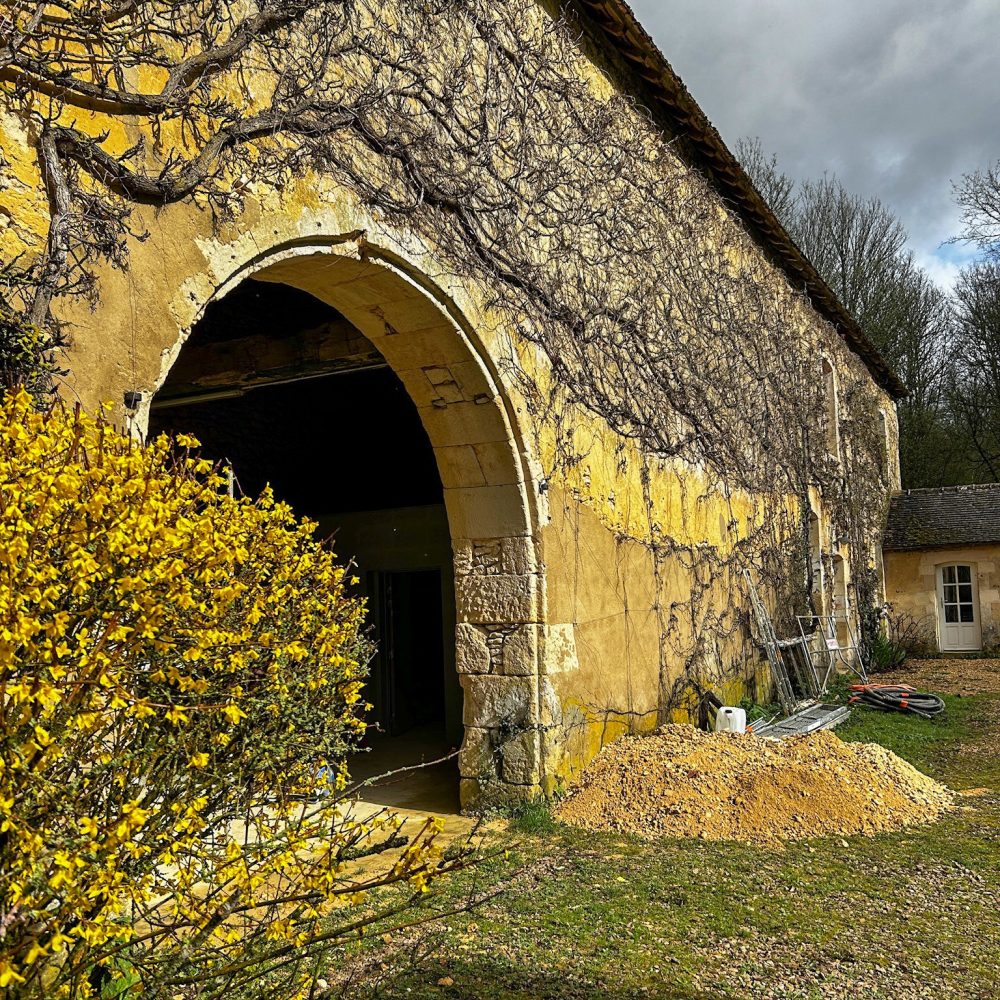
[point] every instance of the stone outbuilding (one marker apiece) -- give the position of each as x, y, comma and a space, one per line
942, 565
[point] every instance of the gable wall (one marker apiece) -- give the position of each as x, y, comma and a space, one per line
911, 590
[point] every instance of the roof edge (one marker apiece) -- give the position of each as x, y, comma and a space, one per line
939, 546
671, 100
961, 488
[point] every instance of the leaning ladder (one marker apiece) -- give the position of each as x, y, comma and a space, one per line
769, 640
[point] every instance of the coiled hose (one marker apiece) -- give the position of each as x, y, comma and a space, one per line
897, 698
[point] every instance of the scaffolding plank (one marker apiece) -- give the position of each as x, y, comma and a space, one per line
806, 720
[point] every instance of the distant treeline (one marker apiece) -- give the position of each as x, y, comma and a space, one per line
945, 345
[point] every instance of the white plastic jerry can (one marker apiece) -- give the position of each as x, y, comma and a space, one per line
730, 720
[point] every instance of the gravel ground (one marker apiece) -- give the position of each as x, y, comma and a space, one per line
900, 966
681, 782
947, 676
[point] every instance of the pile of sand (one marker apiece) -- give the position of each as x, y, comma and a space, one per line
682, 782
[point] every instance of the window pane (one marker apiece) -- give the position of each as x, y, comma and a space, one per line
951, 613
967, 614
965, 593
964, 574
950, 594
949, 574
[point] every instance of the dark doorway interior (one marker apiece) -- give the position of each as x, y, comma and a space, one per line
346, 448
338, 444
407, 686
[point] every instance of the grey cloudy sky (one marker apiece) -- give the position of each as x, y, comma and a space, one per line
898, 97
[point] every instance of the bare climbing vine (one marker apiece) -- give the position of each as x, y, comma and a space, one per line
482, 128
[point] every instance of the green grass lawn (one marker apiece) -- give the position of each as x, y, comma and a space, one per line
913, 914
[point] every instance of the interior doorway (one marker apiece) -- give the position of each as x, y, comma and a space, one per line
407, 686
287, 393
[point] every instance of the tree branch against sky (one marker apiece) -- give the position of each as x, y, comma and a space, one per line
978, 195
976, 377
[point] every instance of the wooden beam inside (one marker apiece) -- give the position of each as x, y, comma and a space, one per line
231, 367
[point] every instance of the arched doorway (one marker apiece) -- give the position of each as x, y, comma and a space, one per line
344, 384
285, 391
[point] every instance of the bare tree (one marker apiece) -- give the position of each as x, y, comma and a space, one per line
975, 395
860, 248
778, 189
978, 195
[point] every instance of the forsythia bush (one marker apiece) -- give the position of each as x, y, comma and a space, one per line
180, 681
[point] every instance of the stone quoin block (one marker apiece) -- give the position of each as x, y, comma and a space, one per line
495, 702
481, 796
486, 511
422, 392
519, 763
497, 462
478, 757
472, 655
411, 313
432, 346
488, 756
465, 423
506, 650
473, 379
520, 651
512, 555
497, 600
459, 467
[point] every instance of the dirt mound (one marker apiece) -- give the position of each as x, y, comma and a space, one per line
682, 782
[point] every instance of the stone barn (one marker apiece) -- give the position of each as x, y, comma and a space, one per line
478, 288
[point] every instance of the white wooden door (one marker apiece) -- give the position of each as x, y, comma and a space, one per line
958, 600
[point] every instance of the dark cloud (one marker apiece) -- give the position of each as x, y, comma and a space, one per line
898, 97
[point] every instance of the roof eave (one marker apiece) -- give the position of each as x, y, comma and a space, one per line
938, 546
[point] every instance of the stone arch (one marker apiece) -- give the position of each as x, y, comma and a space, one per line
489, 498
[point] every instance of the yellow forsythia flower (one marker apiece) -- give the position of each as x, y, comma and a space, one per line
146, 615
